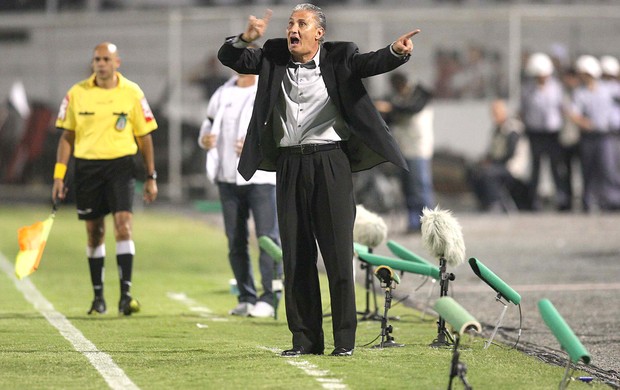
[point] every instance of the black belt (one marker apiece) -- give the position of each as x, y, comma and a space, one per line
309, 148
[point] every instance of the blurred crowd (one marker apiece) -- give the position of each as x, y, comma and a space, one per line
557, 147
570, 116
476, 74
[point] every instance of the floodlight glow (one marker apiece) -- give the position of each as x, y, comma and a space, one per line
401, 265
562, 332
406, 254
494, 281
455, 315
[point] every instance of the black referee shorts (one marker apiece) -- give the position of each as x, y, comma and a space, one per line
104, 186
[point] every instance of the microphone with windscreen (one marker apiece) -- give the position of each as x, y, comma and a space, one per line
459, 318
494, 281
565, 336
562, 332
462, 322
369, 231
369, 228
503, 291
442, 236
400, 265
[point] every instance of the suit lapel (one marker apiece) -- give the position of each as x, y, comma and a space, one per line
329, 77
276, 82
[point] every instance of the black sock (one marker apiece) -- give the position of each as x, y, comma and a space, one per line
125, 266
96, 275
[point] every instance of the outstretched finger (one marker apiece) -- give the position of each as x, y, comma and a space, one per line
411, 33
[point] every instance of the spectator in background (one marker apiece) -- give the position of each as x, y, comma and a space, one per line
611, 71
611, 74
499, 178
407, 112
543, 116
222, 134
593, 111
569, 135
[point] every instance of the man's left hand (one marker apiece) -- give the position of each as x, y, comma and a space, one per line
404, 45
150, 191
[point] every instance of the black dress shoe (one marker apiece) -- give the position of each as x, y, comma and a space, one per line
342, 351
297, 351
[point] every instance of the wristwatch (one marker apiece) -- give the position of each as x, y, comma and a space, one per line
152, 176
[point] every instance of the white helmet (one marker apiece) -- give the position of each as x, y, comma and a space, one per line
610, 66
539, 65
589, 65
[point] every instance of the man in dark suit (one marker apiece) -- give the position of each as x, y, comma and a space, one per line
314, 124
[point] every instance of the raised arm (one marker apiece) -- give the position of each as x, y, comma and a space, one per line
256, 27
404, 45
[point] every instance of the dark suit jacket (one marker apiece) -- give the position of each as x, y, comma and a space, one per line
342, 68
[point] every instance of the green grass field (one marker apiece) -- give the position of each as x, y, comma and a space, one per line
183, 337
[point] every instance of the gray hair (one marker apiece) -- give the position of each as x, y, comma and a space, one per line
318, 14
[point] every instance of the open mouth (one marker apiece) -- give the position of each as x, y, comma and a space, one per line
294, 41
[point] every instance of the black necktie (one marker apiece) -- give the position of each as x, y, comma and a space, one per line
307, 65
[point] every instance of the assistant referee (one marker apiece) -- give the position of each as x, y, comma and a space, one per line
105, 120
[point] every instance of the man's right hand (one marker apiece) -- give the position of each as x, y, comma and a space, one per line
209, 141
256, 27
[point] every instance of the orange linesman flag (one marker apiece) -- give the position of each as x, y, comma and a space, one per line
32, 240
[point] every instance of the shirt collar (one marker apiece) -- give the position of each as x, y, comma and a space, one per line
121, 80
316, 59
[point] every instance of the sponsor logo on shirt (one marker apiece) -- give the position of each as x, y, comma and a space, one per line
62, 113
146, 110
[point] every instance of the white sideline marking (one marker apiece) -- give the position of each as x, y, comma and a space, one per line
203, 311
103, 363
322, 376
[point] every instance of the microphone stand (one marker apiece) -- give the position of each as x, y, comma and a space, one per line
443, 336
498, 298
457, 368
386, 339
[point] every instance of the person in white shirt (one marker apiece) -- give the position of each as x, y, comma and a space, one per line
222, 134
542, 113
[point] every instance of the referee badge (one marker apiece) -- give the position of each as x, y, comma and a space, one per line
121, 122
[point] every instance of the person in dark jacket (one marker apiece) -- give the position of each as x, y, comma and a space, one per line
314, 124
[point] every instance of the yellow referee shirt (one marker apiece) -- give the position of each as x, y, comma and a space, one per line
105, 121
